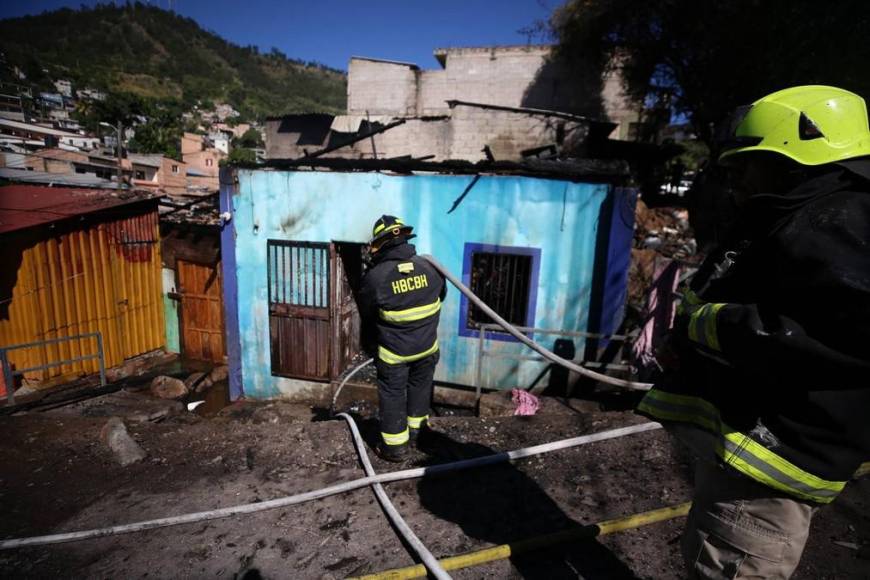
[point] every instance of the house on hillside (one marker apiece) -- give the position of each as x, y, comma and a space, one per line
159, 173
545, 243
31, 136
202, 160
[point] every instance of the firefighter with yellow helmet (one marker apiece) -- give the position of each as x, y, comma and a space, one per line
772, 384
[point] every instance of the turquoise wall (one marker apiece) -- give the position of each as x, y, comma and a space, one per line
558, 217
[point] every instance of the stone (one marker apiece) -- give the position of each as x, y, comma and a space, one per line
193, 380
115, 436
204, 385
165, 387
219, 373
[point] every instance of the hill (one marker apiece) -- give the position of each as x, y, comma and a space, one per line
158, 54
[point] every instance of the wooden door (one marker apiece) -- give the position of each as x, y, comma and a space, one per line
300, 321
347, 268
202, 311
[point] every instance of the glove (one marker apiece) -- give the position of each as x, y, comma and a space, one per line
698, 319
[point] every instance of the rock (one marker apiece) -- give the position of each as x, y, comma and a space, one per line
193, 380
219, 374
588, 501
651, 454
165, 387
115, 436
204, 385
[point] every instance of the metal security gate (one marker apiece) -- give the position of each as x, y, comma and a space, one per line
299, 308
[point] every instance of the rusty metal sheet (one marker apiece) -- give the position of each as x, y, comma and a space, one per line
101, 278
25, 206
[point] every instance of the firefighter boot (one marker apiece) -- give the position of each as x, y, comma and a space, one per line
393, 453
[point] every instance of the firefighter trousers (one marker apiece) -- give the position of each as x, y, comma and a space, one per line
738, 528
404, 393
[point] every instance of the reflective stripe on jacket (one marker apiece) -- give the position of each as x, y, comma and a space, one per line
738, 450
402, 295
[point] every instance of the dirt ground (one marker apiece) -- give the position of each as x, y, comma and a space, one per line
57, 475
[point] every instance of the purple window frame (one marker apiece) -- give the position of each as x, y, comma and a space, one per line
469, 250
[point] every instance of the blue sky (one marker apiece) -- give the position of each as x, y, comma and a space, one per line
331, 31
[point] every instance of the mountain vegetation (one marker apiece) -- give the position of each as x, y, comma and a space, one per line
158, 55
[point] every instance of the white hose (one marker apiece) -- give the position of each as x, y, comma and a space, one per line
345, 380
430, 561
571, 366
343, 487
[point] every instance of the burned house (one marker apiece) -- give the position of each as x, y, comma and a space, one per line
503, 103
546, 244
78, 262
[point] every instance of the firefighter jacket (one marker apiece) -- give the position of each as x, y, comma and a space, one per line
402, 293
776, 365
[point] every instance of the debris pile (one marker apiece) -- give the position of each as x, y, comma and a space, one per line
661, 235
665, 230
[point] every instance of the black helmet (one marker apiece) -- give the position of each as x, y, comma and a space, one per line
389, 226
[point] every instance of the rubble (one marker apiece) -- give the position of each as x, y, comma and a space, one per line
660, 234
666, 230
165, 387
115, 436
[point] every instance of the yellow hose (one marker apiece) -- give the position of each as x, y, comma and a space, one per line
863, 470
507, 550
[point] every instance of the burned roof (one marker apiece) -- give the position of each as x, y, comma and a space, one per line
27, 206
571, 169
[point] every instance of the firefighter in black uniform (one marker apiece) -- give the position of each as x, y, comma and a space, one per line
403, 294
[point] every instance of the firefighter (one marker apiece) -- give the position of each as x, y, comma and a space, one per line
771, 388
403, 294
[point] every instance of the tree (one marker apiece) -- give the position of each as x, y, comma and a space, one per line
241, 155
250, 138
703, 58
116, 108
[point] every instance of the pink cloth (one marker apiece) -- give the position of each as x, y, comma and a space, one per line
660, 309
527, 403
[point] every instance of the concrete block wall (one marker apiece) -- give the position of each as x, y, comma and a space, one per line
493, 77
381, 88
507, 133
280, 145
464, 135
417, 138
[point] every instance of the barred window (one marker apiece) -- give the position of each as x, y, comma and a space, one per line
502, 281
298, 273
506, 279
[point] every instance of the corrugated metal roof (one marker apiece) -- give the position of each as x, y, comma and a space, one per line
151, 160
48, 178
26, 206
38, 129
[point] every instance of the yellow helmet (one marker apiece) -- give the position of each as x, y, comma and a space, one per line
811, 125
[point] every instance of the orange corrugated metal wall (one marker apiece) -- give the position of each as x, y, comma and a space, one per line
104, 278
